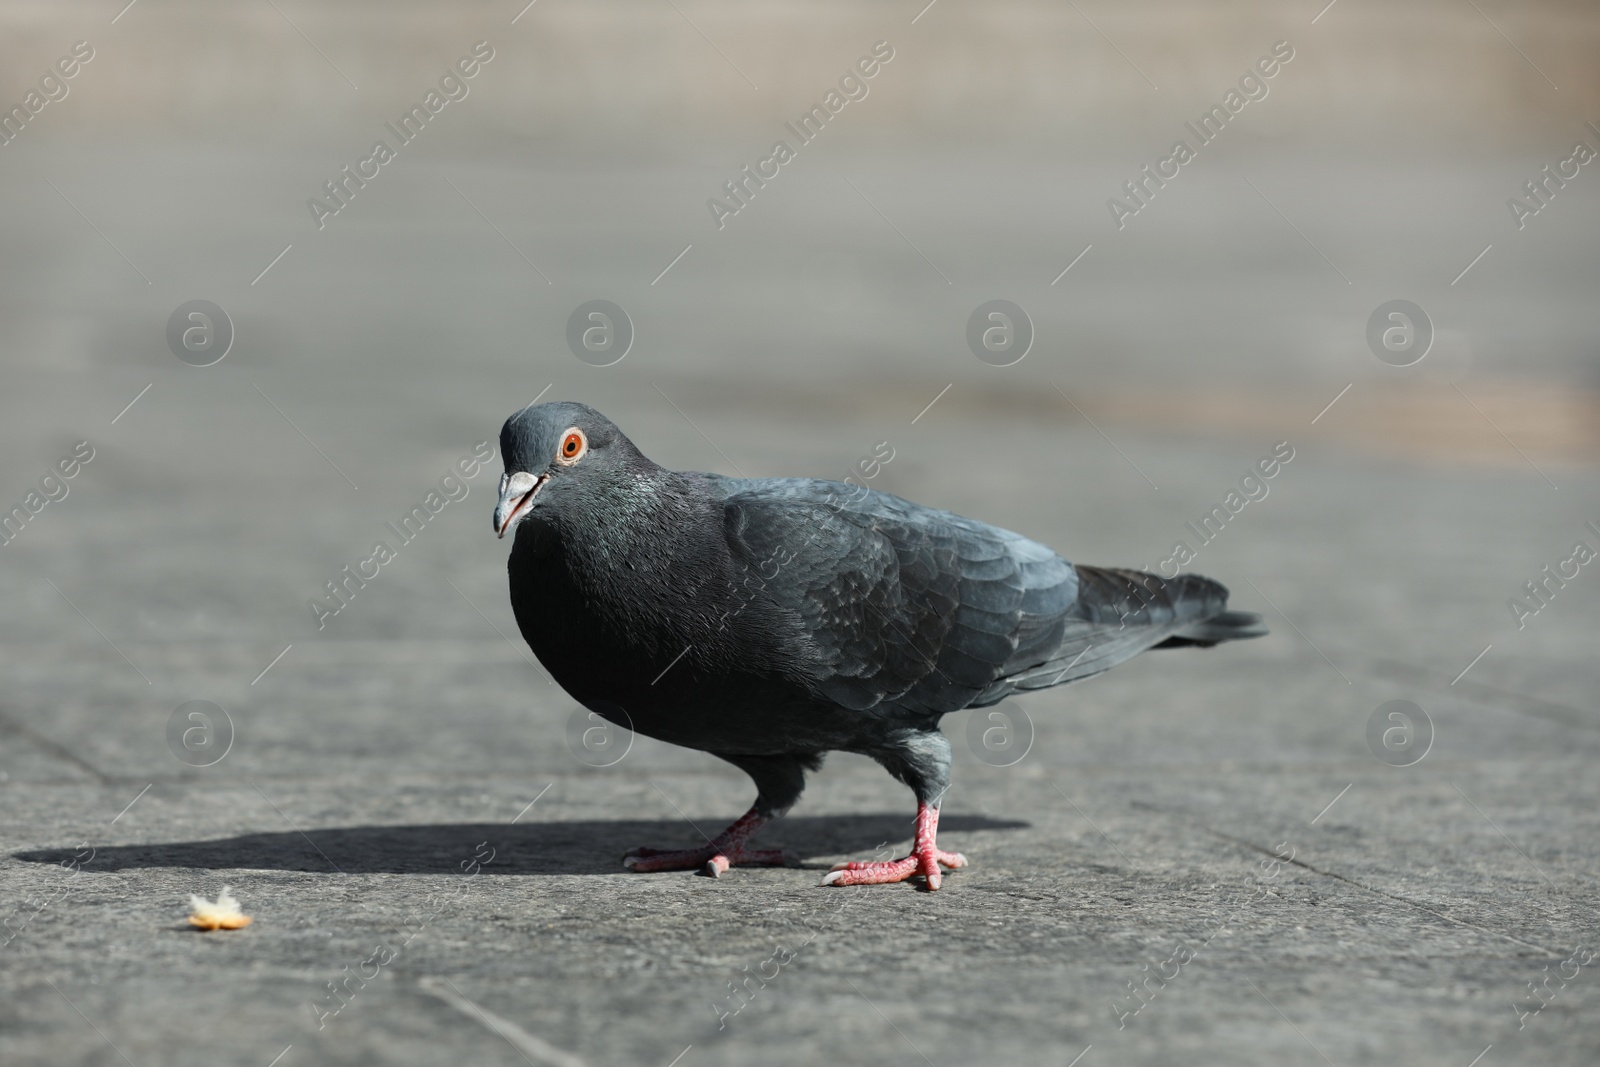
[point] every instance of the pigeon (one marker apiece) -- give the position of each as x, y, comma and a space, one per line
769, 621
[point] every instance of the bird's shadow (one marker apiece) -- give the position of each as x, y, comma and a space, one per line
578, 847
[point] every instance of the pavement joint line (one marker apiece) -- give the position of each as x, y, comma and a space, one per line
59, 751
92, 1026
1494, 697
508, 1031
888, 1020
1348, 880
1286, 1019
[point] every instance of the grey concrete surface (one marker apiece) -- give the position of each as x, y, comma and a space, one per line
370, 763
1211, 827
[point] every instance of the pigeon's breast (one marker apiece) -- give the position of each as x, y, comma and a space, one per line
688, 661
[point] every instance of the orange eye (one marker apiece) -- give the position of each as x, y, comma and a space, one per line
572, 446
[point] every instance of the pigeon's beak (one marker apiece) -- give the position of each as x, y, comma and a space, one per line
517, 492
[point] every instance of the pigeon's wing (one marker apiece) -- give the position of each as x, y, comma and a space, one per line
898, 603
925, 609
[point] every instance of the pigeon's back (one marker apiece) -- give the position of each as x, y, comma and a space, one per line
913, 612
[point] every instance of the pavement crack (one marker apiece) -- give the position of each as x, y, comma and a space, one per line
1489, 696
534, 1049
55, 749
1336, 876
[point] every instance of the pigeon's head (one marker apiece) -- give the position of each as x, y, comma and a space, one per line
555, 455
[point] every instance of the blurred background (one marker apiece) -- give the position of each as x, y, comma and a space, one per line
374, 346
823, 324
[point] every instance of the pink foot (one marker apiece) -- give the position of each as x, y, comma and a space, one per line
925, 859
726, 850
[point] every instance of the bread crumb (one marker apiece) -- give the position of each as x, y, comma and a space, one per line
222, 915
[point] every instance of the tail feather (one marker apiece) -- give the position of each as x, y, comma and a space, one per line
1228, 626
1120, 613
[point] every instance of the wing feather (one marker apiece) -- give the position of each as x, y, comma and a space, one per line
932, 612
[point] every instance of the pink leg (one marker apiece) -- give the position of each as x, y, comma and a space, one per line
925, 859
726, 850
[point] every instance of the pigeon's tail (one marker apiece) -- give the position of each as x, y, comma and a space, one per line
1228, 626
1120, 613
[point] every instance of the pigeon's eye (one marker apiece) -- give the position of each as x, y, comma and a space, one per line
573, 446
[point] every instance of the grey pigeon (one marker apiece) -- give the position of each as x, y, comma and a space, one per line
770, 621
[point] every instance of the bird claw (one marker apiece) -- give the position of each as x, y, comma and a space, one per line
924, 862
925, 859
